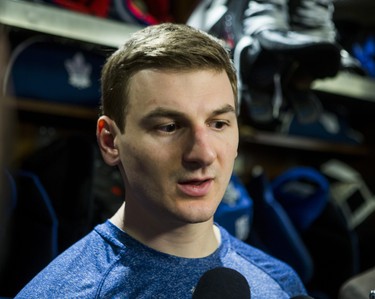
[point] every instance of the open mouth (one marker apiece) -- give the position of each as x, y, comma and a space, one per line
195, 188
197, 183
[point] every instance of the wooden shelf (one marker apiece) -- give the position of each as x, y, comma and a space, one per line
60, 22
248, 135
52, 108
348, 85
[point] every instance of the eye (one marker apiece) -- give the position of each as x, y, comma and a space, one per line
219, 124
169, 128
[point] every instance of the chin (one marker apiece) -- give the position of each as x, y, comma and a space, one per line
201, 219
198, 215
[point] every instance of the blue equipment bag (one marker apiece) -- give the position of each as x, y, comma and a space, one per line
235, 211
43, 69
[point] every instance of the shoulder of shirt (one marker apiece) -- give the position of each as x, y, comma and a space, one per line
282, 273
76, 272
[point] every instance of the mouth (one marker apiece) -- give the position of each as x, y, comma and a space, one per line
195, 187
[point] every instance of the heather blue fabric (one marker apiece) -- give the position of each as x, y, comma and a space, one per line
108, 263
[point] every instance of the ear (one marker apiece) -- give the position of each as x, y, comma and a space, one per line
106, 131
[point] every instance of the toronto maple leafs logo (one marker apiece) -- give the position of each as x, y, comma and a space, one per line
79, 71
231, 194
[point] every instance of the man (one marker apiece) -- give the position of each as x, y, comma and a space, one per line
169, 123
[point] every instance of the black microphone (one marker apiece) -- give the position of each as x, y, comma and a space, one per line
220, 283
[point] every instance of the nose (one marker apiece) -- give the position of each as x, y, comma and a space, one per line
199, 150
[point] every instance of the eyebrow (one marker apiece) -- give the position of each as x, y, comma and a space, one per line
170, 113
226, 109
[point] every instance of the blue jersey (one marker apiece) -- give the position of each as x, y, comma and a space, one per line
108, 263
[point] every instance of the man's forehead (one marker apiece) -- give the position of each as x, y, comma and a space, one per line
164, 91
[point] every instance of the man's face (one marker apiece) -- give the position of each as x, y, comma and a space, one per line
179, 145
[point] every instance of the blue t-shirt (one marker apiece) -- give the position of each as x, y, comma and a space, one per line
108, 263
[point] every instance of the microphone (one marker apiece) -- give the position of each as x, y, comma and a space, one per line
220, 283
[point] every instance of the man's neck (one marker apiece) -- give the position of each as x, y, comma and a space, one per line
189, 240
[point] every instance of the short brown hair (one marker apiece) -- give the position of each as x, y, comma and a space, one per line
164, 46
